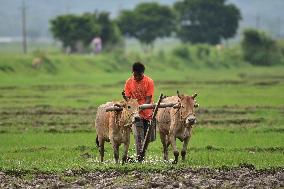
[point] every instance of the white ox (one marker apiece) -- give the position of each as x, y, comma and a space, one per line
115, 126
176, 123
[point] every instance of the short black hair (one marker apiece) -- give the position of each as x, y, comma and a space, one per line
138, 67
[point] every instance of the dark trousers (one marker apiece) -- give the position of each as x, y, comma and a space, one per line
140, 130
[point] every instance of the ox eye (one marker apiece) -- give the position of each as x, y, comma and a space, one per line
128, 107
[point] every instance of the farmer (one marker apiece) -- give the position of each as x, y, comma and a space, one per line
140, 87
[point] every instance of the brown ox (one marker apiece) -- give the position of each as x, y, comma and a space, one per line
115, 126
176, 123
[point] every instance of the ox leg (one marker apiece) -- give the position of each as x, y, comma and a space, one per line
116, 152
124, 158
165, 146
126, 147
184, 148
176, 153
102, 148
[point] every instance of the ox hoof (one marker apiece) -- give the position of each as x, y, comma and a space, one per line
124, 160
139, 159
130, 160
175, 162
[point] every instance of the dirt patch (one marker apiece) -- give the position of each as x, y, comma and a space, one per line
262, 76
252, 108
3, 131
59, 87
35, 149
266, 83
47, 119
246, 176
269, 130
9, 87
268, 149
230, 82
25, 96
223, 111
6, 69
53, 130
250, 149
47, 110
230, 121
120, 83
46, 123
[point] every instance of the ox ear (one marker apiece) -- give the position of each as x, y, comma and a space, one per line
114, 109
195, 95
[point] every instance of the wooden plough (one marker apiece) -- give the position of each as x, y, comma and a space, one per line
152, 122
156, 107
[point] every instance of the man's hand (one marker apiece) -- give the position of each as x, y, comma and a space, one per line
148, 99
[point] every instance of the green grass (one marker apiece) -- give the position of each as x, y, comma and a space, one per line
208, 148
16, 47
47, 113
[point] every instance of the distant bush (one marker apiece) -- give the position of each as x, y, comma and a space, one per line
182, 52
259, 48
280, 44
208, 55
202, 51
232, 56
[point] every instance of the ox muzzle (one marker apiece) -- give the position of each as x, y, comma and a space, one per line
136, 117
191, 119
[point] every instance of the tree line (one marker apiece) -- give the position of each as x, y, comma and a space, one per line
194, 21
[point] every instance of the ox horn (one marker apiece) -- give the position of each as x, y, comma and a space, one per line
117, 105
195, 95
178, 94
114, 108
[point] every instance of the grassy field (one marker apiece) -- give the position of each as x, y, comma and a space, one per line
47, 113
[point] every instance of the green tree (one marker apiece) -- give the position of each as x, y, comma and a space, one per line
260, 49
74, 29
147, 22
109, 31
71, 29
206, 21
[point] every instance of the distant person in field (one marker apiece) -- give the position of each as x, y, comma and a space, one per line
97, 44
140, 87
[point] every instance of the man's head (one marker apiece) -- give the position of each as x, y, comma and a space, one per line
138, 70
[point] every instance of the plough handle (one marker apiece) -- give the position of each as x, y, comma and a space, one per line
147, 137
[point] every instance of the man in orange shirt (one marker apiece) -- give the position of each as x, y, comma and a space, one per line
140, 87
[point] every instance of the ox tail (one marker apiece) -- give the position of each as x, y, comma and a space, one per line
97, 141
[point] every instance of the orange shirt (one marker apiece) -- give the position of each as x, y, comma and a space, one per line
139, 90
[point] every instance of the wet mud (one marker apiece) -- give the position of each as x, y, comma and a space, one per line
245, 176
